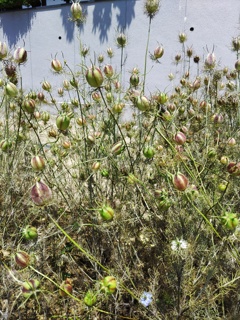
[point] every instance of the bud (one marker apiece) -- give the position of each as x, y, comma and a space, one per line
180, 182
46, 86
11, 89
3, 50
63, 122
210, 61
108, 71
76, 11
56, 65
20, 55
94, 77
41, 194
38, 163
29, 287
109, 284
22, 259
121, 40
30, 233
90, 298
148, 152
158, 53
180, 138
66, 287
229, 220
134, 80
106, 213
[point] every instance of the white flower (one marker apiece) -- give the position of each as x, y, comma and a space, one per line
179, 244
146, 299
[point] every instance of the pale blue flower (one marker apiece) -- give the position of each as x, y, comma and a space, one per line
146, 299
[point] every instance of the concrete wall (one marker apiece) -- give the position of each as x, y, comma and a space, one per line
46, 32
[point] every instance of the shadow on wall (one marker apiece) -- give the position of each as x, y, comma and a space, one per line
17, 26
102, 16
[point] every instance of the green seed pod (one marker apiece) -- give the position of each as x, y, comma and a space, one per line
109, 284
63, 122
29, 287
106, 213
94, 77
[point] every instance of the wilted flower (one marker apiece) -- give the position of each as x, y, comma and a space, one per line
76, 11
210, 61
146, 299
176, 245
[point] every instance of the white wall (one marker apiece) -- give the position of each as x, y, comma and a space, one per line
46, 32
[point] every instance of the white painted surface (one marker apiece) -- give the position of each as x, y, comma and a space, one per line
47, 32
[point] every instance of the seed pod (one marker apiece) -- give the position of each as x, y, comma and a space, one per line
66, 286
56, 65
234, 168
29, 287
38, 163
158, 53
109, 284
106, 213
108, 71
20, 55
117, 148
63, 122
22, 259
46, 86
94, 77
180, 138
142, 103
3, 50
41, 194
180, 182
29, 105
148, 152
11, 89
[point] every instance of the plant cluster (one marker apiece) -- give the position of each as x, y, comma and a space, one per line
106, 218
